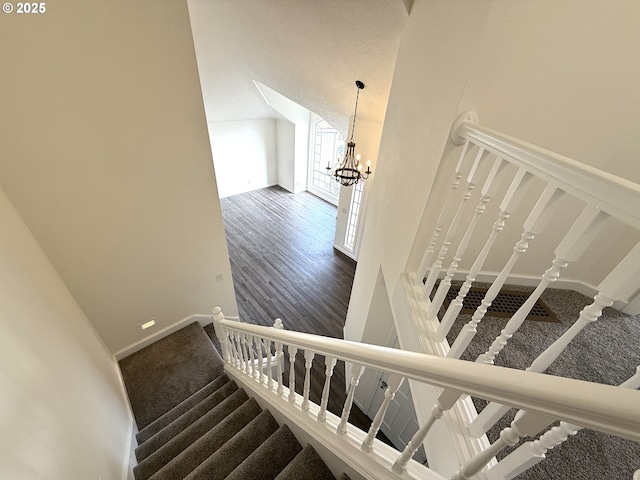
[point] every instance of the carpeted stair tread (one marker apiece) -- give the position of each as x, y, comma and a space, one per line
306, 466
185, 420
270, 458
236, 450
165, 373
222, 419
183, 407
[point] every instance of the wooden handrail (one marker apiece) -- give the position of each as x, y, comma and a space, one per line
600, 407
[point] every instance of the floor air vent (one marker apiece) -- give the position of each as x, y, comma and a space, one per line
505, 304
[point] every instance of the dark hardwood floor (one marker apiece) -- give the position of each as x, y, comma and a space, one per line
284, 265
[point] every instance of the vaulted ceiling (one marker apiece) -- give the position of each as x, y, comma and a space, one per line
311, 51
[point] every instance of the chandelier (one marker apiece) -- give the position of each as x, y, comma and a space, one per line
349, 170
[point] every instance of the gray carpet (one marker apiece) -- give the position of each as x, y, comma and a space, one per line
164, 374
214, 432
606, 351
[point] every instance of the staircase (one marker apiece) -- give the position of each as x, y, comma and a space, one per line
216, 432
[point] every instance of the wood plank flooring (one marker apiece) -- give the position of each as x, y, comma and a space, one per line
284, 265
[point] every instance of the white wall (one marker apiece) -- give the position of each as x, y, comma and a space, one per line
286, 153
292, 171
63, 411
554, 73
106, 157
244, 155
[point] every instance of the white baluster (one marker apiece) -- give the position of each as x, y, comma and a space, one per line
493, 179
279, 354
259, 344
446, 400
508, 206
426, 259
308, 361
524, 424
393, 384
330, 362
269, 372
252, 356
534, 224
437, 266
575, 242
248, 367
531, 453
237, 336
235, 358
292, 373
618, 285
356, 373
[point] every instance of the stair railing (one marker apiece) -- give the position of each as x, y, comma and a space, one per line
541, 399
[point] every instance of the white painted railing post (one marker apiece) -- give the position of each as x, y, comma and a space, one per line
269, 367
393, 384
330, 363
356, 373
308, 362
279, 356
292, 372
221, 333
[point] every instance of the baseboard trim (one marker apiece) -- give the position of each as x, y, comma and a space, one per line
533, 281
202, 319
129, 458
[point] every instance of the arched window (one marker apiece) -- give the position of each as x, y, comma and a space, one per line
327, 145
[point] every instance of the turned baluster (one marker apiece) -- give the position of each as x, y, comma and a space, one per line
445, 401
235, 358
466, 195
533, 452
292, 373
308, 361
393, 384
269, 372
509, 205
330, 363
260, 344
245, 349
493, 179
356, 373
525, 424
237, 336
426, 259
618, 285
535, 223
252, 357
279, 355
584, 230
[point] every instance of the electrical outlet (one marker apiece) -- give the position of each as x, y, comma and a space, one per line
219, 277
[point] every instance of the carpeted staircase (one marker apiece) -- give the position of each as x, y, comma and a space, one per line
195, 423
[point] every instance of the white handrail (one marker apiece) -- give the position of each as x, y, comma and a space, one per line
601, 407
615, 195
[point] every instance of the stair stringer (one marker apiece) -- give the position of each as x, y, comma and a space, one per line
340, 453
449, 445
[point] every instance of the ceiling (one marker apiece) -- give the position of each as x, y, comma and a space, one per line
311, 51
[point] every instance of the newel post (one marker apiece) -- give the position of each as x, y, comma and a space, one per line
218, 316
